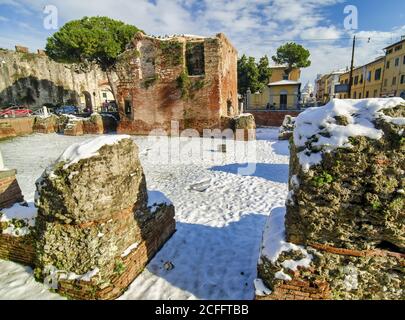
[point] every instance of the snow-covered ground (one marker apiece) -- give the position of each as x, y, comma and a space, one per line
219, 223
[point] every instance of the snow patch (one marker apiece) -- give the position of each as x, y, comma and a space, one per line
317, 128
260, 288
26, 214
88, 148
55, 274
282, 276
274, 242
156, 199
130, 249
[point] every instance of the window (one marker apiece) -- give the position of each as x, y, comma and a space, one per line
285, 76
397, 48
388, 64
369, 76
397, 62
367, 94
347, 81
105, 95
195, 59
377, 75
403, 79
394, 81
356, 79
361, 79
354, 95
375, 93
128, 107
389, 51
385, 82
404, 60
359, 95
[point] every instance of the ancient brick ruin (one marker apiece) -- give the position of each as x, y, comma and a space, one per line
10, 192
96, 225
64, 124
344, 234
189, 79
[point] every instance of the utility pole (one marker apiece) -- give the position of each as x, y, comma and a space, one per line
351, 68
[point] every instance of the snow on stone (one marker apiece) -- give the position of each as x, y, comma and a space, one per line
88, 148
318, 126
243, 115
293, 265
282, 276
129, 249
54, 273
274, 242
27, 214
260, 288
155, 199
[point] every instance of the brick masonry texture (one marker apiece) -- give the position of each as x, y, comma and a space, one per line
271, 118
154, 87
10, 192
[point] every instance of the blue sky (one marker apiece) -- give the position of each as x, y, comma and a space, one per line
255, 27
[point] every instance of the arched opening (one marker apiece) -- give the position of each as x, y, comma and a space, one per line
86, 101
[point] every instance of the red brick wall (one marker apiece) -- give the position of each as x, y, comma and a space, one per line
271, 118
10, 191
156, 105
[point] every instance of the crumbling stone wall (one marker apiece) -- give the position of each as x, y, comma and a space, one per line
95, 230
35, 80
155, 86
346, 206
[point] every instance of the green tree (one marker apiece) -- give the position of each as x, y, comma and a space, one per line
91, 40
293, 55
264, 70
249, 75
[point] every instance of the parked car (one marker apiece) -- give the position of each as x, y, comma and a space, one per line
15, 111
66, 110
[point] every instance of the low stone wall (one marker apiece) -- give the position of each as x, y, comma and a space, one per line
271, 118
96, 124
12, 127
18, 249
10, 191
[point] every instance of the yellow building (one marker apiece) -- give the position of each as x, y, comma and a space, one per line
394, 73
325, 86
282, 92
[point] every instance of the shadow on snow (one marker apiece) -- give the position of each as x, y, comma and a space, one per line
269, 171
213, 262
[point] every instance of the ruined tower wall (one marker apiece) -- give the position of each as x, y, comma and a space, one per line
156, 85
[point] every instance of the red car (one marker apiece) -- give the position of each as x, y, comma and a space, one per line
14, 112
